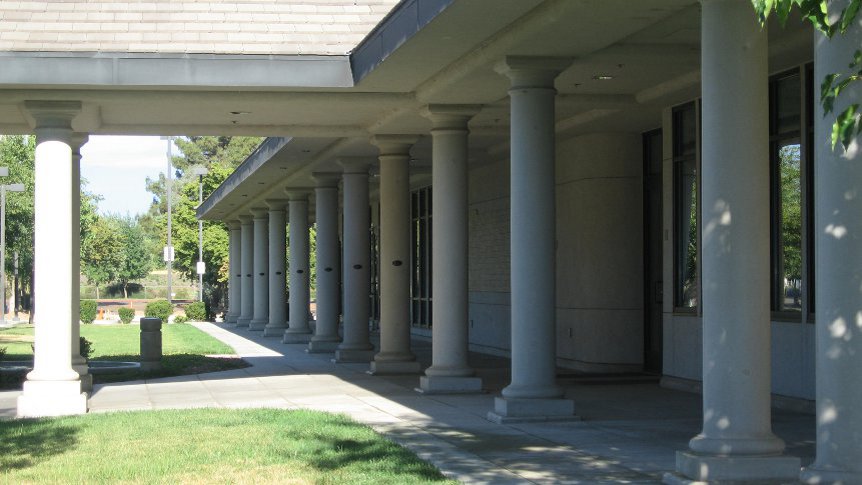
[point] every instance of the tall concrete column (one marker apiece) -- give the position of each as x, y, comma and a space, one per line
356, 345
235, 273
533, 392
325, 337
736, 442
395, 356
53, 388
298, 331
838, 289
260, 267
277, 323
449, 371
246, 270
79, 363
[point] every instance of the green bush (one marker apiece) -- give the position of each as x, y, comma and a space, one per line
86, 348
88, 311
126, 314
2, 352
180, 319
159, 309
197, 311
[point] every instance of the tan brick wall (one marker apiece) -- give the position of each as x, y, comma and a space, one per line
489, 252
317, 27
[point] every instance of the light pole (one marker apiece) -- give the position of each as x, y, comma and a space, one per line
3, 190
200, 172
169, 249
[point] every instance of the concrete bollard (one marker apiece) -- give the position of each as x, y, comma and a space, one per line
151, 344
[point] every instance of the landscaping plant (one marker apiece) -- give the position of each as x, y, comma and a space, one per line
197, 311
88, 311
126, 314
159, 309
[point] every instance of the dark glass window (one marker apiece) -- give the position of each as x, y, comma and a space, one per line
686, 197
420, 264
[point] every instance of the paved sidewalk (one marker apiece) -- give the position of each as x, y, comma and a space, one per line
629, 433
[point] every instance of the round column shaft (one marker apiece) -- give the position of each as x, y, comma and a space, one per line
325, 337
298, 330
395, 356
53, 387
838, 289
356, 345
449, 371
79, 363
260, 265
735, 254
235, 274
246, 270
277, 306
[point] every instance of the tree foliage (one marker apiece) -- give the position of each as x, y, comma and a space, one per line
115, 250
847, 123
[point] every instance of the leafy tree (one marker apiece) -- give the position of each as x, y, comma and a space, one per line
137, 261
848, 123
102, 252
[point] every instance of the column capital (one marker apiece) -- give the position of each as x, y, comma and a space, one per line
77, 141
450, 116
275, 204
245, 219
259, 212
326, 179
232, 224
297, 194
394, 144
52, 120
356, 164
532, 72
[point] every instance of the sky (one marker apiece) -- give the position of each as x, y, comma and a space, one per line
116, 167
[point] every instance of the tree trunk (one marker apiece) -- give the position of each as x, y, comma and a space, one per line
125, 290
97, 292
32, 296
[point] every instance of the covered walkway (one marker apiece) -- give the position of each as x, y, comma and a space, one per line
629, 432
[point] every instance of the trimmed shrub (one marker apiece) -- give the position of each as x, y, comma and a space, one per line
126, 314
159, 309
2, 352
180, 319
197, 311
86, 348
88, 311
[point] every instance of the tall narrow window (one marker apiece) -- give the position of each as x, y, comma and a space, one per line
420, 288
787, 196
686, 217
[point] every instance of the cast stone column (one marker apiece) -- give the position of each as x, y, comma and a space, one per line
235, 273
838, 289
356, 345
79, 363
260, 267
246, 269
325, 337
395, 356
53, 388
736, 442
298, 331
449, 371
277, 239
533, 392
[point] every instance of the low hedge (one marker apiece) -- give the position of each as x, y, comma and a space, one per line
197, 311
161, 309
88, 311
126, 314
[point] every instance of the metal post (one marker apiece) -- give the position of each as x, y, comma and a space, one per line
200, 238
16, 288
3, 253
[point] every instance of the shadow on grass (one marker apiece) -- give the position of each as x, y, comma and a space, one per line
172, 365
26, 442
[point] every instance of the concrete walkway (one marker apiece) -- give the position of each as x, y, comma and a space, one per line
629, 432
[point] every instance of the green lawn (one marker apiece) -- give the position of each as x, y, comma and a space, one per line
205, 446
184, 350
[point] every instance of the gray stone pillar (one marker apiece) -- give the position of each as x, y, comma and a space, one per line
356, 345
246, 270
151, 344
298, 331
533, 393
53, 388
277, 323
736, 442
325, 337
395, 356
838, 289
79, 363
235, 273
260, 268
449, 371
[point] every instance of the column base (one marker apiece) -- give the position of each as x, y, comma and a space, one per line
815, 475
273, 331
513, 410
242, 322
51, 398
231, 319
322, 346
449, 385
390, 367
85, 376
295, 337
148, 365
693, 468
346, 356
257, 325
